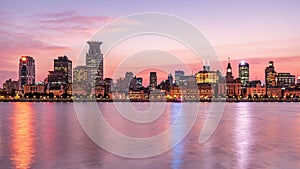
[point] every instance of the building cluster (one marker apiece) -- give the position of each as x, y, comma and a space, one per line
87, 81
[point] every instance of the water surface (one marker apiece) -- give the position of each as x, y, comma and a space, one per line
250, 135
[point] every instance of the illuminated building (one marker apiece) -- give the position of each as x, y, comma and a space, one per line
229, 86
153, 80
285, 80
81, 80
270, 75
206, 76
81, 75
244, 73
26, 71
178, 74
94, 62
256, 89
36, 88
136, 94
175, 92
62, 71
205, 90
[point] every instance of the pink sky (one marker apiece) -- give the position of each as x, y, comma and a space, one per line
243, 31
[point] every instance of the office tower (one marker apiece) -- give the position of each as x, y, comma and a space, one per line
178, 74
244, 73
62, 71
170, 78
285, 80
81, 75
153, 80
270, 75
94, 62
26, 71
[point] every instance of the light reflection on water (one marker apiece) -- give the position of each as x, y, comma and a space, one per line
177, 151
250, 135
22, 141
242, 130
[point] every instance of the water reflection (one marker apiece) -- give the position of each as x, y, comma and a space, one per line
177, 151
243, 135
22, 141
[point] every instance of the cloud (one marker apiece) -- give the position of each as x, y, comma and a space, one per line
25, 41
69, 19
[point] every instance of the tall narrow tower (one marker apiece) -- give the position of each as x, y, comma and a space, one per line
94, 62
26, 71
270, 75
153, 80
229, 70
244, 73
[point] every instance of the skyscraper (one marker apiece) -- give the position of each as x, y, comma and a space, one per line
270, 75
244, 73
153, 80
62, 71
170, 78
94, 62
178, 74
26, 71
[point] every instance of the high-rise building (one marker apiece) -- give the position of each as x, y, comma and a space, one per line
170, 78
81, 75
285, 80
178, 74
244, 73
270, 75
26, 71
94, 62
63, 64
153, 80
62, 71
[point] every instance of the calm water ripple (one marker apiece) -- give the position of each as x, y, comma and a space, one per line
250, 135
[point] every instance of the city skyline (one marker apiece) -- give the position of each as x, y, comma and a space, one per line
164, 75
252, 32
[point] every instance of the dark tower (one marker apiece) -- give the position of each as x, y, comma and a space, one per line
229, 70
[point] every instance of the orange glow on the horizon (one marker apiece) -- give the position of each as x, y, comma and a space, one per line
22, 138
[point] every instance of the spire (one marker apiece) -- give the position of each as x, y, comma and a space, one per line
206, 66
229, 70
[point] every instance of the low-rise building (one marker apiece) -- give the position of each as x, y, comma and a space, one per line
257, 90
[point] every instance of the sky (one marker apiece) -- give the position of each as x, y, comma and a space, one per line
254, 31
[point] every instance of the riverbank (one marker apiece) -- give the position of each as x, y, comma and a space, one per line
144, 100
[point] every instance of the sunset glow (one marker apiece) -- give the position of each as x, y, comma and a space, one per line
252, 31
